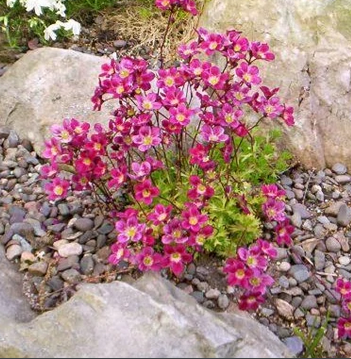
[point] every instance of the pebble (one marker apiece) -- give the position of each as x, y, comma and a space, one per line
284, 309
309, 302
70, 249
38, 269
119, 44
302, 210
339, 169
343, 179
83, 224
343, 260
71, 276
212, 293
344, 215
87, 264
300, 272
333, 209
333, 245
319, 260
284, 266
13, 252
199, 296
223, 301
295, 345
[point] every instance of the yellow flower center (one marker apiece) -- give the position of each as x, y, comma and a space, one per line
175, 257
193, 221
119, 253
147, 140
213, 80
213, 45
120, 89
180, 117
148, 261
169, 81
269, 109
240, 273
162, 216
65, 135
87, 161
97, 146
131, 232
177, 233
58, 190
247, 77
147, 105
201, 188
229, 118
146, 193
237, 48
347, 325
124, 73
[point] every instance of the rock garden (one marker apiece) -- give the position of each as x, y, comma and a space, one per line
198, 210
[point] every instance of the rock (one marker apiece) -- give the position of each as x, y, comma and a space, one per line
343, 260
150, 317
212, 293
223, 301
87, 264
342, 240
284, 266
118, 44
13, 139
339, 169
302, 210
71, 276
295, 345
333, 244
343, 179
296, 220
199, 296
83, 224
309, 302
284, 309
344, 215
13, 252
300, 272
70, 249
38, 269
319, 260
306, 38
63, 99
333, 209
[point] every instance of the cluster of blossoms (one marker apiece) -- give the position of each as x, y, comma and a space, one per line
344, 323
172, 144
55, 6
247, 269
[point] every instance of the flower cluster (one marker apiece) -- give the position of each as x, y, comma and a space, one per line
56, 6
172, 145
247, 269
344, 323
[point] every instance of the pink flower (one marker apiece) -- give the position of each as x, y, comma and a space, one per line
272, 191
284, 230
261, 51
199, 189
176, 257
57, 188
145, 192
193, 220
140, 170
271, 108
181, 115
214, 77
119, 176
164, 4
248, 73
250, 301
274, 210
187, 51
237, 50
62, 133
238, 273
266, 248
258, 281
129, 229
229, 116
198, 239
346, 304
147, 138
288, 116
119, 252
252, 257
343, 287
160, 214
174, 232
49, 170
189, 6
213, 134
170, 78
199, 156
344, 328
173, 97
148, 102
52, 148
148, 259
213, 42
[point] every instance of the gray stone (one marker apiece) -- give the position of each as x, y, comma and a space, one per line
284, 266
313, 320
212, 293
63, 209
87, 264
319, 231
309, 302
333, 244
223, 301
70, 249
302, 210
13, 252
285, 180
118, 44
344, 215
343, 179
339, 169
296, 220
38, 231
150, 317
320, 196
284, 282
38, 269
295, 344
300, 272
319, 260
71, 276
343, 260
199, 296
284, 309
83, 224
333, 209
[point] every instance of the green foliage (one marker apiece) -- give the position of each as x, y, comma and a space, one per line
312, 340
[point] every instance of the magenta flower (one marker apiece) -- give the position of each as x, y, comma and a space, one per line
346, 304
119, 176
199, 189
49, 170
199, 156
147, 138
173, 97
213, 134
119, 252
238, 273
170, 78
198, 239
261, 51
266, 248
181, 115
258, 281
288, 116
274, 210
145, 192
250, 74
344, 328
164, 4
213, 42
252, 257
148, 259
176, 257
189, 6
160, 214
174, 232
237, 50
140, 170
62, 133
52, 148
250, 301
343, 287
284, 230
214, 77
193, 220
129, 229
185, 51
272, 191
271, 108
229, 116
57, 188
148, 102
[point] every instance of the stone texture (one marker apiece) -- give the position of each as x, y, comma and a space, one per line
44, 87
153, 317
312, 43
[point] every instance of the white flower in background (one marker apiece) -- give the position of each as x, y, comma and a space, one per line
10, 3
37, 5
72, 25
50, 31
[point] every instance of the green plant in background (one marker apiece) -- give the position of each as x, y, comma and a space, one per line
312, 340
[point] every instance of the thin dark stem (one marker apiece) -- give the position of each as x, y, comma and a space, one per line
170, 18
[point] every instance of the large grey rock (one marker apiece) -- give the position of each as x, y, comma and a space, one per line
312, 43
13, 305
47, 85
152, 319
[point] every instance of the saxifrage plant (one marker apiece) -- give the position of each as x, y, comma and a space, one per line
180, 147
